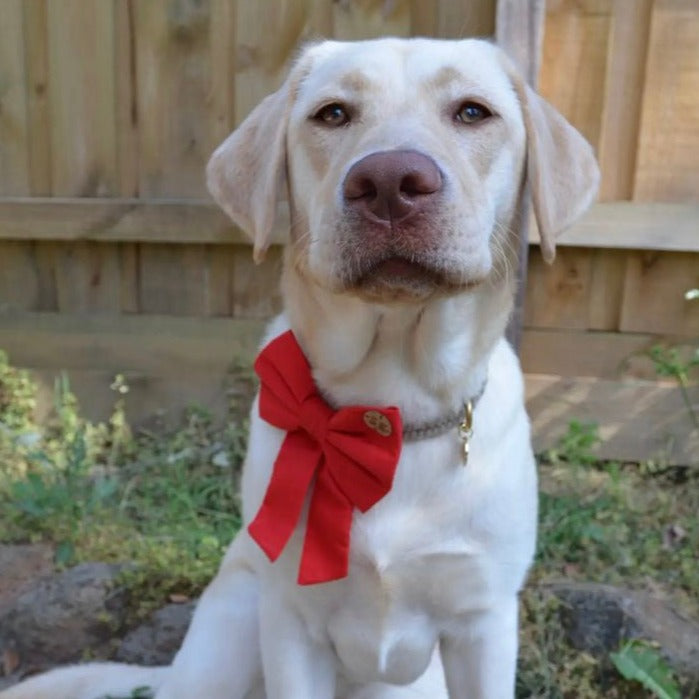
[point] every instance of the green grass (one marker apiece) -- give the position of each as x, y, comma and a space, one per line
167, 503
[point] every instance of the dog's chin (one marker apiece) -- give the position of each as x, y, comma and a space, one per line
398, 280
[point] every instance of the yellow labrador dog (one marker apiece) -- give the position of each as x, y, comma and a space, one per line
405, 164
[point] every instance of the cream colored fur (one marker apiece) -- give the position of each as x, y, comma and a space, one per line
429, 608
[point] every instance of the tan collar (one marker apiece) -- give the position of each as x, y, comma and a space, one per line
463, 419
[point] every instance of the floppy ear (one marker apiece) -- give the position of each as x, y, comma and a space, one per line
561, 168
246, 172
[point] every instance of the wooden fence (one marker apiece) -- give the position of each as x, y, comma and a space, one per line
113, 259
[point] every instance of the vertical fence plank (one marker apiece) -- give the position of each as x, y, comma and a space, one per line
82, 98
558, 294
654, 299
174, 280
669, 140
266, 33
574, 61
173, 64
14, 158
221, 76
628, 44
367, 19
220, 292
456, 20
38, 108
606, 289
256, 287
127, 114
19, 283
129, 277
87, 277
423, 18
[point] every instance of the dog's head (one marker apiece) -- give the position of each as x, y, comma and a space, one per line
404, 162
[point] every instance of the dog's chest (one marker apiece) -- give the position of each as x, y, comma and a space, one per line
415, 567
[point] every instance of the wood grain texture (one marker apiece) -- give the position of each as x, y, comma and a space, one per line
82, 98
14, 139
151, 220
558, 294
606, 289
637, 421
459, 19
173, 280
150, 344
173, 63
169, 363
87, 278
127, 112
221, 91
574, 60
633, 225
669, 139
266, 33
626, 62
38, 108
19, 280
654, 294
369, 19
256, 287
582, 353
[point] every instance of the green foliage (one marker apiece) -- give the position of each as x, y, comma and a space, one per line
640, 662
164, 502
577, 445
167, 504
672, 362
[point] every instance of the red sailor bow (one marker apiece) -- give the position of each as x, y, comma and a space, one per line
352, 453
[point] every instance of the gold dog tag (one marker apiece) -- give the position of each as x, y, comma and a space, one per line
466, 431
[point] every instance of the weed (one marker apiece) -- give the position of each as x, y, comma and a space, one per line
164, 502
670, 361
167, 504
640, 662
577, 445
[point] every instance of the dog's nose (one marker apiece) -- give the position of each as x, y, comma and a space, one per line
392, 185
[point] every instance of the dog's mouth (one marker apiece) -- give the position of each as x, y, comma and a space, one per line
397, 278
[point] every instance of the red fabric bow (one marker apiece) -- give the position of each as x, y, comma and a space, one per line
352, 452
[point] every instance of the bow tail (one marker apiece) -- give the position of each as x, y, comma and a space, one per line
326, 545
281, 507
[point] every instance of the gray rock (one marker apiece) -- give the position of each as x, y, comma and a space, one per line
156, 641
21, 565
61, 616
597, 618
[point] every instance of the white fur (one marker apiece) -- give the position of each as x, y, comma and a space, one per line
429, 608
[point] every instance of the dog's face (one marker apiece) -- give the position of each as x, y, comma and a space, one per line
401, 158
404, 162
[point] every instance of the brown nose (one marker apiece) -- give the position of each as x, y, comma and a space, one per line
392, 185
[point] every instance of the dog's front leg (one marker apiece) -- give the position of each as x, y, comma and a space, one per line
481, 663
220, 657
295, 667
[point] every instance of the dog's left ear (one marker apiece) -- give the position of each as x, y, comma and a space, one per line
245, 175
561, 168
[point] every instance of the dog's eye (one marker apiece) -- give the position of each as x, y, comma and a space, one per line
471, 112
332, 115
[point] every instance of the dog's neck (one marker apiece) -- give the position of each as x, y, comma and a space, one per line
424, 358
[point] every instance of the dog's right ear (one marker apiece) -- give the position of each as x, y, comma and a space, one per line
245, 175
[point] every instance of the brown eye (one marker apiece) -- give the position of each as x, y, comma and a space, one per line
471, 112
332, 115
